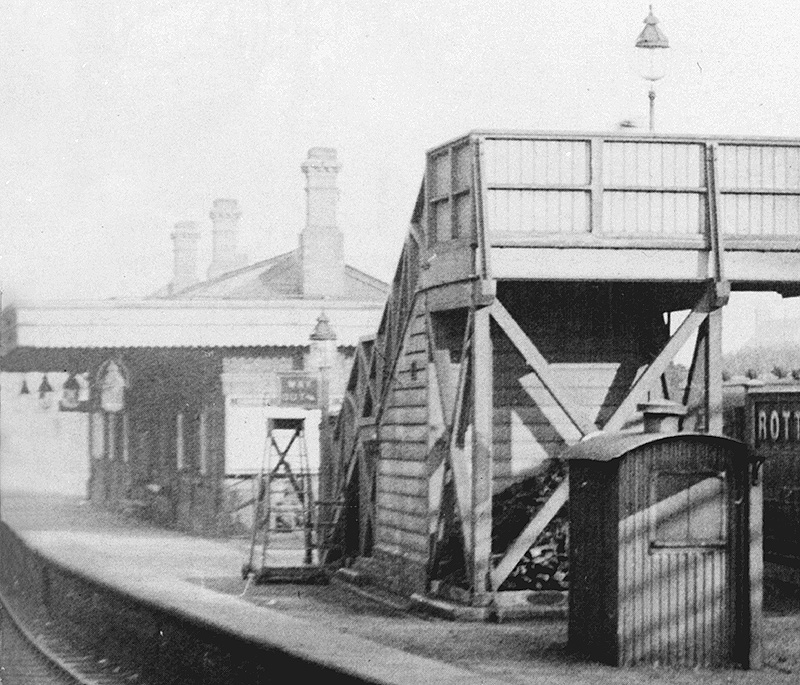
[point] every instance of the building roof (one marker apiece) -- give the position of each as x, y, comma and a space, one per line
277, 278
182, 323
273, 303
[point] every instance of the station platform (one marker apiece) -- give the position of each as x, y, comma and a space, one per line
346, 636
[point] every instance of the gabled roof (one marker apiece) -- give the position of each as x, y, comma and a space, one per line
277, 278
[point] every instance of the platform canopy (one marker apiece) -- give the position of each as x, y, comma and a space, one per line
159, 323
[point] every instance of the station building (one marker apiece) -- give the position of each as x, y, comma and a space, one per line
168, 397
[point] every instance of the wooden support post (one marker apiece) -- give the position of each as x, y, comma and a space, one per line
480, 190
437, 432
596, 179
696, 393
368, 464
445, 423
756, 568
461, 458
713, 378
482, 407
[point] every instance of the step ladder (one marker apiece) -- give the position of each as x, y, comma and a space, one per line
278, 476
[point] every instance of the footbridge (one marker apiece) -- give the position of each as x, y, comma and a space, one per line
546, 283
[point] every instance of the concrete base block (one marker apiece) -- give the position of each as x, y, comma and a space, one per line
450, 610
358, 584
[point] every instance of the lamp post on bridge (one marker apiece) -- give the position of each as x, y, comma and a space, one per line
652, 44
323, 353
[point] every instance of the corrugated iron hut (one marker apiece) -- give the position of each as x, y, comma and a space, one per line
665, 550
546, 284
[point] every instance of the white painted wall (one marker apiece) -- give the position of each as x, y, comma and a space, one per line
41, 449
246, 434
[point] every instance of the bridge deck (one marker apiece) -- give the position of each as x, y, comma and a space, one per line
613, 207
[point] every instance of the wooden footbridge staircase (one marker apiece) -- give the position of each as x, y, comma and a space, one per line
546, 283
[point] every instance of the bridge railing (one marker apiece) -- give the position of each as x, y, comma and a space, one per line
574, 188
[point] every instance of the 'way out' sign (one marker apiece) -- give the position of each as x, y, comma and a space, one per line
299, 390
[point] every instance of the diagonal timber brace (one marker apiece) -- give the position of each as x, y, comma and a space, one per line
651, 375
529, 534
541, 368
452, 398
707, 306
571, 409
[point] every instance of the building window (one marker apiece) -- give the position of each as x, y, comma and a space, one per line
689, 509
179, 446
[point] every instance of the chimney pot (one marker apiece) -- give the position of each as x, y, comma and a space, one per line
321, 242
185, 236
225, 216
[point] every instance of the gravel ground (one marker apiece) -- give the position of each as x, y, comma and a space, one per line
520, 651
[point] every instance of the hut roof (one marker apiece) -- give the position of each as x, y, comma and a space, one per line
610, 446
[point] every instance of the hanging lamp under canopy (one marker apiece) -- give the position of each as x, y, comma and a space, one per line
44, 386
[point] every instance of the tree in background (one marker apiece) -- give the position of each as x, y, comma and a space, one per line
760, 362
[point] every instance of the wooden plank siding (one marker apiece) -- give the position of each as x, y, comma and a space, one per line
402, 477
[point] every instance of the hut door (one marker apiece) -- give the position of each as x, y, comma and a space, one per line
674, 569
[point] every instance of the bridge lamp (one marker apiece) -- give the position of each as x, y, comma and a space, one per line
652, 50
323, 350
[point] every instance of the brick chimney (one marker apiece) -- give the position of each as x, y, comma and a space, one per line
184, 251
225, 217
321, 242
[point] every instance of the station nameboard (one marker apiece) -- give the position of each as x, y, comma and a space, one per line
299, 390
777, 421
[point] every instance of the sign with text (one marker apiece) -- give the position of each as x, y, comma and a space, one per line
299, 390
777, 422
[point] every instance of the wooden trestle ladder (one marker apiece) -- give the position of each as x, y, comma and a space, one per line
275, 470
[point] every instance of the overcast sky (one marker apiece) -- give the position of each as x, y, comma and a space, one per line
120, 118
